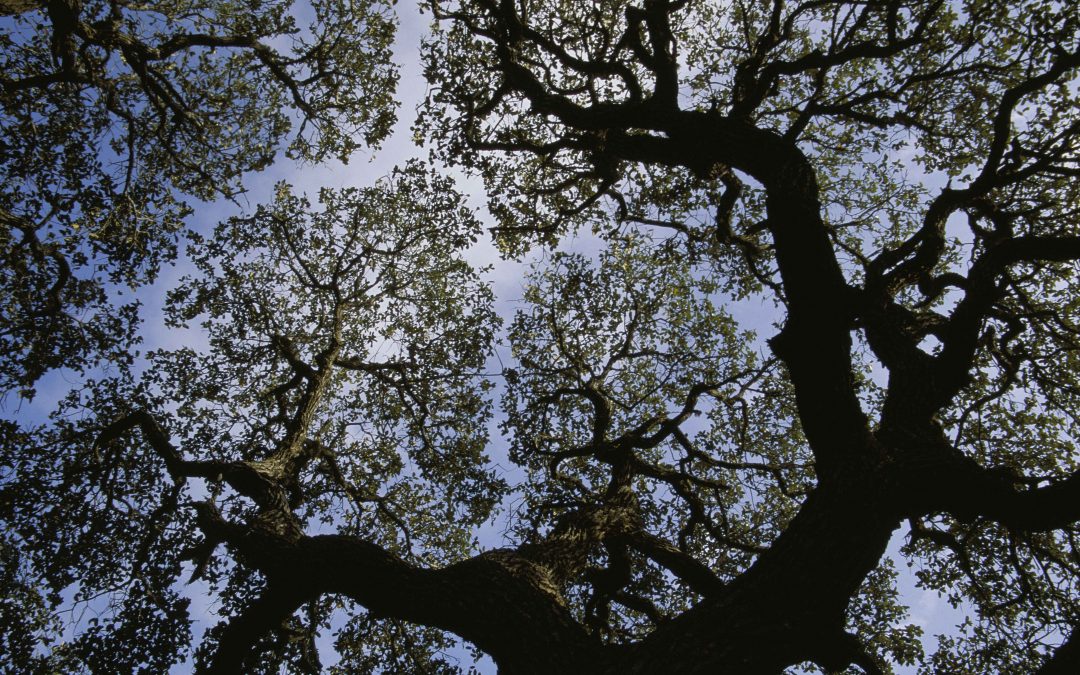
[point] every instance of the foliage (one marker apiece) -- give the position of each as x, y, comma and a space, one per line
112, 111
896, 180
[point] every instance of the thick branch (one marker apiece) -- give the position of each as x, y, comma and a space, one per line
268, 611
973, 491
793, 598
492, 599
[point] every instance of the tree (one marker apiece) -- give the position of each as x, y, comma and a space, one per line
113, 111
899, 178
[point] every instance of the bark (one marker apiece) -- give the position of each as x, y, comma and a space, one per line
500, 601
267, 612
789, 607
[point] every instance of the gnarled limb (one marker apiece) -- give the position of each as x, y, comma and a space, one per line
500, 600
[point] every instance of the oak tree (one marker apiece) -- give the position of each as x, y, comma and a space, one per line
113, 112
677, 492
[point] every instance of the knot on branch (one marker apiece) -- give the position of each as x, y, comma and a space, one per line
578, 535
522, 568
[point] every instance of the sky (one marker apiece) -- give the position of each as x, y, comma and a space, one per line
928, 610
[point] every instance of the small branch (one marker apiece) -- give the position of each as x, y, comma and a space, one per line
688, 569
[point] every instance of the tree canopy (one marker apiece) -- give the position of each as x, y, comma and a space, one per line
113, 111
677, 489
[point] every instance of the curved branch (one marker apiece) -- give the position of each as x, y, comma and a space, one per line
267, 612
499, 600
689, 570
243, 477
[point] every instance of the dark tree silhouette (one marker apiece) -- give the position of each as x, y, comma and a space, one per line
898, 178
